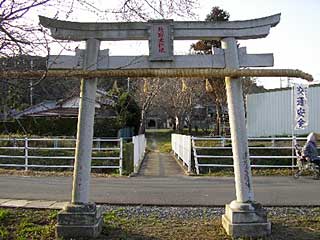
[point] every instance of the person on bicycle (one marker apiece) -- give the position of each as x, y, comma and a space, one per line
310, 149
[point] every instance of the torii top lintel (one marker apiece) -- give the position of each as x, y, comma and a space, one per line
181, 30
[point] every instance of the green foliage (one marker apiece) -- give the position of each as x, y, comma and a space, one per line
4, 233
4, 214
33, 224
106, 127
165, 148
112, 218
24, 224
217, 14
162, 138
52, 216
113, 222
128, 110
205, 46
42, 126
27, 230
127, 158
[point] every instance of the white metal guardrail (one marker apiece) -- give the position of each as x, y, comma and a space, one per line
24, 150
139, 150
181, 146
220, 144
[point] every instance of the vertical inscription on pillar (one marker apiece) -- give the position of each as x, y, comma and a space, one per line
161, 40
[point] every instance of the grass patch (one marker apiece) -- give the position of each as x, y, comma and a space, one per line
228, 172
162, 137
4, 214
65, 173
290, 226
24, 224
147, 228
165, 148
295, 227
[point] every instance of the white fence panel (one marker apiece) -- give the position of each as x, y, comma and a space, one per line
24, 149
139, 150
181, 146
274, 143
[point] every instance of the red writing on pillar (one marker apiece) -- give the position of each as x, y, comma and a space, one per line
161, 43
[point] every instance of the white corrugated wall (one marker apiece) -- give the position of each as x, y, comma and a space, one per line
270, 113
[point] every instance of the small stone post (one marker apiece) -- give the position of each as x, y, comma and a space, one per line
81, 218
243, 217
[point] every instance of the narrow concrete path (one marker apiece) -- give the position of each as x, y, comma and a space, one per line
158, 164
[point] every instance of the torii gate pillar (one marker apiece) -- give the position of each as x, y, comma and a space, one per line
242, 216
82, 218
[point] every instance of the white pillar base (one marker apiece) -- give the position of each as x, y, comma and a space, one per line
246, 220
82, 221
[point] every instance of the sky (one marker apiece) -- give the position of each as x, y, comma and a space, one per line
294, 41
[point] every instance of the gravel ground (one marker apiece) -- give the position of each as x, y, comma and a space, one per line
201, 212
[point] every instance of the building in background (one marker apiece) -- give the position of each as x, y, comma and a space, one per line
271, 113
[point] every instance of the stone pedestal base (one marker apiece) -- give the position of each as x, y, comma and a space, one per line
79, 221
246, 220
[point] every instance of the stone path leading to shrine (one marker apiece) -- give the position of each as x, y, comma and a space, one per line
157, 164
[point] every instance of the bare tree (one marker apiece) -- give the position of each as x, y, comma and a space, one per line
214, 87
145, 90
21, 35
179, 99
17, 34
143, 9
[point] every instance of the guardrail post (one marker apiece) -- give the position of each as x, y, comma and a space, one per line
173, 146
135, 155
139, 148
26, 154
98, 144
223, 142
195, 156
55, 143
189, 154
121, 157
294, 142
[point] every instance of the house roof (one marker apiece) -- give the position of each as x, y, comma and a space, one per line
68, 107
70, 113
40, 107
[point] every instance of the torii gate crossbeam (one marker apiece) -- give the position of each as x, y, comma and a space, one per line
182, 30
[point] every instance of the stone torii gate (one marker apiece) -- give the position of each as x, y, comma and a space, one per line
243, 217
